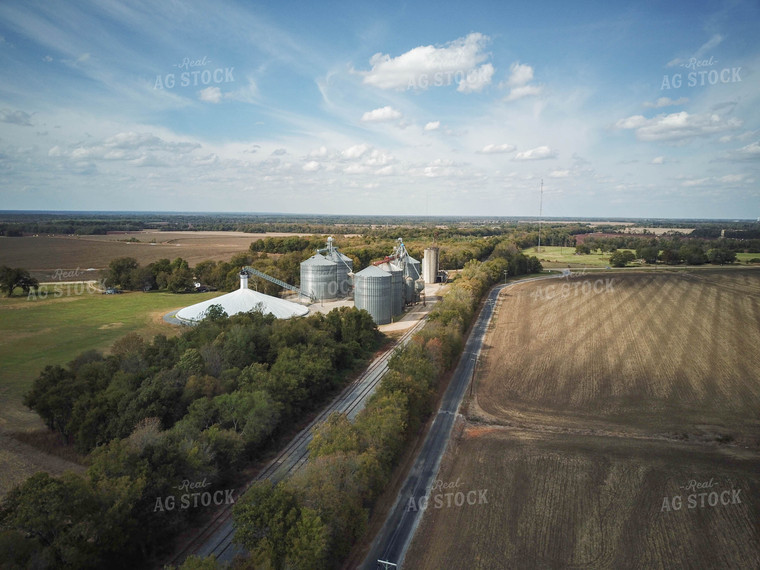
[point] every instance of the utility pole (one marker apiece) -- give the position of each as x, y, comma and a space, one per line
540, 214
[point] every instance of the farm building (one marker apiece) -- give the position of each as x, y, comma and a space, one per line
242, 301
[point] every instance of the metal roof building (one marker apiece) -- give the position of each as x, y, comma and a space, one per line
242, 301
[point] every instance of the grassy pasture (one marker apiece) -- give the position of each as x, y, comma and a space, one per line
38, 332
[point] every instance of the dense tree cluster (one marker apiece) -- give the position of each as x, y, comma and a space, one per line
152, 414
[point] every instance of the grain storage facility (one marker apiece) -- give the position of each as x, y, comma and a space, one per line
372, 292
319, 278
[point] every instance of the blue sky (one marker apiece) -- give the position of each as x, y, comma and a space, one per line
622, 109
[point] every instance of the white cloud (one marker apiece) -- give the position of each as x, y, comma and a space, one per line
496, 148
677, 126
524, 91
320, 152
311, 166
666, 102
519, 82
658, 160
210, 95
749, 152
519, 74
538, 153
476, 79
356, 151
432, 125
460, 61
695, 182
386, 113
559, 174
15, 117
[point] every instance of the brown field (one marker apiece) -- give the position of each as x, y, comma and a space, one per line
43, 254
590, 410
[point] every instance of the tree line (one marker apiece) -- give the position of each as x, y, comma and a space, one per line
149, 415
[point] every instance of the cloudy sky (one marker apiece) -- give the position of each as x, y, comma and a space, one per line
622, 108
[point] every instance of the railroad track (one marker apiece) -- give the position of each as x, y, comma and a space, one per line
217, 537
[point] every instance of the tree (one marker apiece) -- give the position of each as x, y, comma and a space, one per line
720, 256
692, 254
649, 254
263, 519
120, 272
621, 258
582, 249
18, 277
181, 279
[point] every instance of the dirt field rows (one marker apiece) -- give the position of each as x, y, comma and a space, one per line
612, 430
675, 355
42, 255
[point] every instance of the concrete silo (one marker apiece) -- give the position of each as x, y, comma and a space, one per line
372, 292
319, 277
430, 265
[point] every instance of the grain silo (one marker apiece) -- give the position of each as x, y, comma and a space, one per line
345, 268
397, 285
319, 277
430, 265
372, 292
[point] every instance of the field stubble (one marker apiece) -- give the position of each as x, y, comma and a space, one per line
590, 411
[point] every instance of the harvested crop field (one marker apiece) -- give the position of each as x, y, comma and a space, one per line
568, 501
43, 255
674, 355
616, 427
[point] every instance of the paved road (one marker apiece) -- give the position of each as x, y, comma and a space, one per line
391, 543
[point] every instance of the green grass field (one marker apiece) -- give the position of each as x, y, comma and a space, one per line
555, 257
38, 332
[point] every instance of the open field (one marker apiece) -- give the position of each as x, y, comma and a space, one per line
35, 333
591, 408
554, 257
42, 255
568, 501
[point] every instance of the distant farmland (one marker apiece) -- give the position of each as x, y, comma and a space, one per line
593, 412
43, 254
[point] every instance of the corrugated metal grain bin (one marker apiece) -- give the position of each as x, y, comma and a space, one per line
397, 286
345, 265
372, 292
319, 277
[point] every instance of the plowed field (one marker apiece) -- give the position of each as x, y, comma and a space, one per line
616, 429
